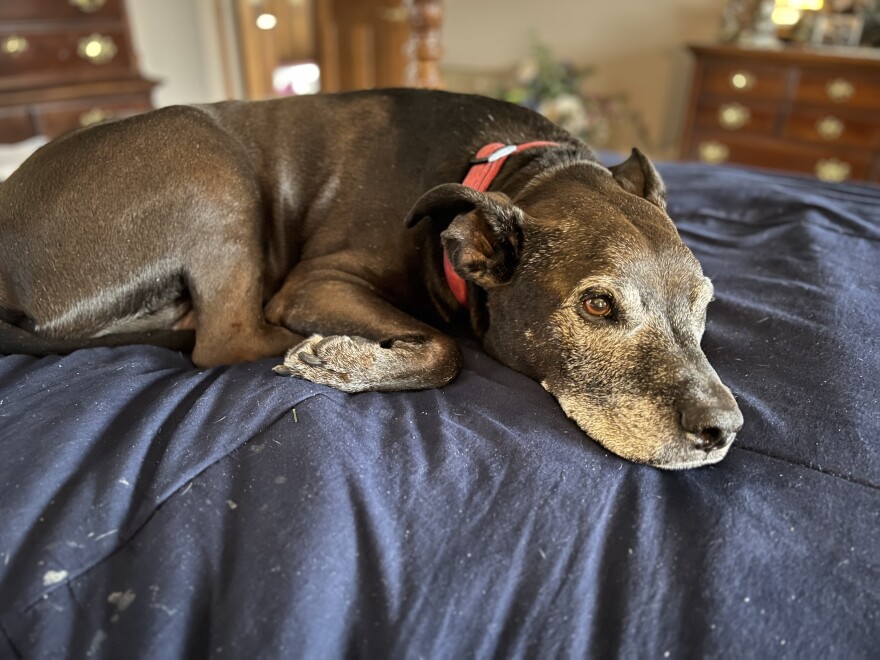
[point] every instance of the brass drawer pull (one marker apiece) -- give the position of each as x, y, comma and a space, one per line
832, 169
713, 151
88, 6
733, 116
829, 127
742, 81
14, 45
840, 90
93, 116
96, 48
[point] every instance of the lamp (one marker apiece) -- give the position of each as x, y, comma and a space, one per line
788, 12
266, 21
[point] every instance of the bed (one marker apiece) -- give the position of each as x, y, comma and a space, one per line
153, 509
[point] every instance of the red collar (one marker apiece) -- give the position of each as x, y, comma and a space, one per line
484, 168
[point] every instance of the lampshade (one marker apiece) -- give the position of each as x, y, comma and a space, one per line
788, 12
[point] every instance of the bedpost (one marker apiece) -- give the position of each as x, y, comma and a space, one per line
425, 48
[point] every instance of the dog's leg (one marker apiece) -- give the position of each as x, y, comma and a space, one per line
361, 342
229, 333
226, 287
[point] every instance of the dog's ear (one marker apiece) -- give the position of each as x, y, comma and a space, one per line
483, 234
637, 175
442, 203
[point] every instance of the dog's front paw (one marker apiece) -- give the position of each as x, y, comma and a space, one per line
355, 364
290, 366
341, 361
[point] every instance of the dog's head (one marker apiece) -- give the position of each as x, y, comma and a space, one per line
589, 290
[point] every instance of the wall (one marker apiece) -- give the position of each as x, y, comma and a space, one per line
177, 44
636, 46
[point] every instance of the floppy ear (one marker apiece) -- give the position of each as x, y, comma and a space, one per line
483, 234
637, 175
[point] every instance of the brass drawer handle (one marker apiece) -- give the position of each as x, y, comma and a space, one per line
713, 151
96, 48
733, 116
840, 90
832, 169
829, 127
88, 6
93, 116
14, 45
742, 81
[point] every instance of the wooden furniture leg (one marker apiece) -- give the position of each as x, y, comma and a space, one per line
425, 48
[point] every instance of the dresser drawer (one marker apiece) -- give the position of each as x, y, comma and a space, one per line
49, 56
40, 10
830, 128
54, 119
828, 163
737, 115
744, 80
826, 102
839, 89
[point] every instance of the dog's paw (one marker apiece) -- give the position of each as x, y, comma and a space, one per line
356, 364
348, 363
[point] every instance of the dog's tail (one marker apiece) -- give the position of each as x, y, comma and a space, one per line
14, 339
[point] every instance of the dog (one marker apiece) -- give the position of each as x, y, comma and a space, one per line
335, 230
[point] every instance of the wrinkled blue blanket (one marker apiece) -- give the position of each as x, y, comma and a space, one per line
153, 509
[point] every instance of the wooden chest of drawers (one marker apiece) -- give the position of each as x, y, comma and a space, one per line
65, 64
810, 111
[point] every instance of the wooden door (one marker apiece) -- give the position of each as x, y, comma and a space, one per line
358, 44
361, 43
289, 40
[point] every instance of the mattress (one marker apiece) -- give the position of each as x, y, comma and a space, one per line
153, 509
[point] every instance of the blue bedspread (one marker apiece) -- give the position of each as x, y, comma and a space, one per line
152, 509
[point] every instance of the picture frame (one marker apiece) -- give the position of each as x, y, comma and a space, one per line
837, 30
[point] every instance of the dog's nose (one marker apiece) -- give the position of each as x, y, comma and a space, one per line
713, 421
710, 438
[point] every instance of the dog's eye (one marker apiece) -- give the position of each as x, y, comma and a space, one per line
597, 305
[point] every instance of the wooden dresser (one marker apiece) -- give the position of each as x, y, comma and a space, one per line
813, 111
64, 64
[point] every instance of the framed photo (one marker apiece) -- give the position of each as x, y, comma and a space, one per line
837, 30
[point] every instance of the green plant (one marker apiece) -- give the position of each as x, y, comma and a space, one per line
557, 89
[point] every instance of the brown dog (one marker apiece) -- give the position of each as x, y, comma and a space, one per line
266, 226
